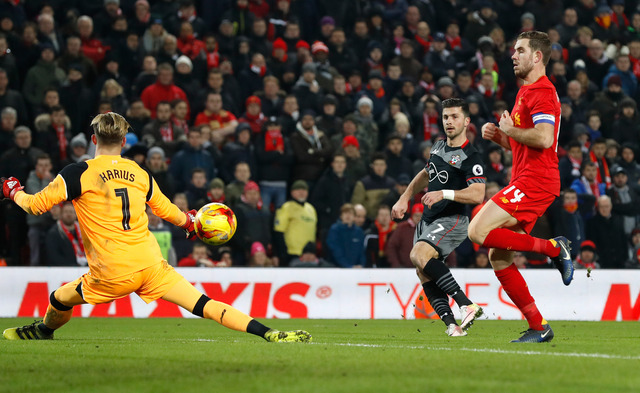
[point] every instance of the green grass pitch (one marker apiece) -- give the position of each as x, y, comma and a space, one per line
192, 355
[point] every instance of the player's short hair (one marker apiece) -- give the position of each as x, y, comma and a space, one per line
347, 207
456, 103
110, 128
538, 41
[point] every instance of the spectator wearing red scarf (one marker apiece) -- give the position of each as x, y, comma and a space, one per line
188, 44
253, 116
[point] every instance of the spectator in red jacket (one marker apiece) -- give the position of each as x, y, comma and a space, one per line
91, 46
400, 242
254, 116
163, 90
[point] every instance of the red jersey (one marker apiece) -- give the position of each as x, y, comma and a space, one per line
536, 103
215, 120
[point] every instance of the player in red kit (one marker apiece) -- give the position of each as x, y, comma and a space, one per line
504, 223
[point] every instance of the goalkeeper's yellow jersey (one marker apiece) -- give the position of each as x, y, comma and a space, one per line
109, 194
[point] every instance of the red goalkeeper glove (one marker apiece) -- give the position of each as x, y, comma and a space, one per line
189, 226
10, 186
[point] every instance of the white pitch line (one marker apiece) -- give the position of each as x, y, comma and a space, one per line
490, 350
480, 350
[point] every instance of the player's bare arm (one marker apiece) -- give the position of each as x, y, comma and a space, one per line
540, 136
419, 182
492, 133
473, 195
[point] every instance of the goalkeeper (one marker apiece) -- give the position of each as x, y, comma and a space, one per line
110, 194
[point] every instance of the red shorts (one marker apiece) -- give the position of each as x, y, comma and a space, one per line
524, 204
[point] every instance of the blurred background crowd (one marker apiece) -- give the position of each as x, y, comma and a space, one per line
310, 117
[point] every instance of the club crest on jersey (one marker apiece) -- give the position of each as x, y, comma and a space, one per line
454, 159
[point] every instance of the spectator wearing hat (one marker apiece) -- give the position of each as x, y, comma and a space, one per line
311, 149
327, 25
42, 76
345, 240
309, 258
253, 116
341, 56
156, 162
627, 161
607, 103
154, 37
259, 258
227, 38
625, 199
279, 58
602, 25
324, 70
626, 127
606, 230
327, 120
254, 223
307, 89
185, 79
374, 90
332, 190
239, 150
439, 60
295, 224
587, 258
141, 18
367, 125
481, 260
104, 19
402, 181
400, 242
162, 132
351, 146
186, 12
481, 21
622, 68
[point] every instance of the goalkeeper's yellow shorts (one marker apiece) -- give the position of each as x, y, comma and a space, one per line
150, 284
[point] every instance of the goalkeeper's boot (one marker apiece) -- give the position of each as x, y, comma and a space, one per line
563, 261
292, 336
454, 330
536, 336
469, 314
27, 332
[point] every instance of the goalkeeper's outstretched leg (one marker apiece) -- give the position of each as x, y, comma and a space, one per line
188, 297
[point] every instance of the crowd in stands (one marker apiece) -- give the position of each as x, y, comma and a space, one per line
310, 117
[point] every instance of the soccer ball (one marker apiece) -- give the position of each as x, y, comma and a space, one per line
215, 224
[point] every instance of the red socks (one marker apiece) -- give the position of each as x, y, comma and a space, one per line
506, 239
515, 286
